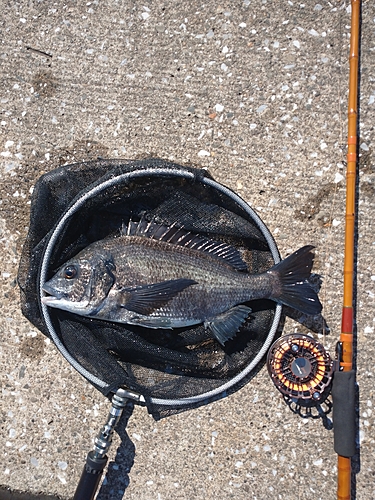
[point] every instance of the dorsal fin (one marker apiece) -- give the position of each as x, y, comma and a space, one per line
179, 236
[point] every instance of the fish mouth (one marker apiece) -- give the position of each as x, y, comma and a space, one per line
58, 299
53, 294
55, 298
52, 300
49, 300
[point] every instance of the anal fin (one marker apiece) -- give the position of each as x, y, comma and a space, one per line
225, 325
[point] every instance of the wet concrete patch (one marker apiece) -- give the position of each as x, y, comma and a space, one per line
45, 83
32, 347
312, 206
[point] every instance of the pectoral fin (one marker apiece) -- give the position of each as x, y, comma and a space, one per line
225, 326
147, 298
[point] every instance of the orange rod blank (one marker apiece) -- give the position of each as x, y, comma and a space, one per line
344, 478
344, 463
351, 162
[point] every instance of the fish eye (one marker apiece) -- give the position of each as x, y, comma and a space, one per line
70, 272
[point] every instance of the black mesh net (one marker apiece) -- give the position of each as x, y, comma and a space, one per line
161, 365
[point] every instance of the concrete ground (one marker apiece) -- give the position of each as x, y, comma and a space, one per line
256, 91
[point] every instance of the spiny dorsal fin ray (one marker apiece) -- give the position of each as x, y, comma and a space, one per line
179, 236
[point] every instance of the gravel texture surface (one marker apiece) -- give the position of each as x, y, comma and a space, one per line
256, 91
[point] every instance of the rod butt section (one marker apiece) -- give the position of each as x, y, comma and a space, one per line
344, 415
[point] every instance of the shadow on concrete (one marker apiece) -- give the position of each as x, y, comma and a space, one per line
6, 494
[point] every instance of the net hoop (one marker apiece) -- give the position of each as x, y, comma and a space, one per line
123, 178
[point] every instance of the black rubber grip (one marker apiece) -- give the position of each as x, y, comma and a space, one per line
344, 413
90, 477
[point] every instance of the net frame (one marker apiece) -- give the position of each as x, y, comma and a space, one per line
158, 172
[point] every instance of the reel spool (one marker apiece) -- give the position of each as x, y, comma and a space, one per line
301, 369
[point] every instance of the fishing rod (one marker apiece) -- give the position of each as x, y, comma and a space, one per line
343, 389
300, 367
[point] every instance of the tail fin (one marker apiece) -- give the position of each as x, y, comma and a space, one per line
293, 288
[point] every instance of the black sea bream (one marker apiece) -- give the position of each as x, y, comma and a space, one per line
159, 277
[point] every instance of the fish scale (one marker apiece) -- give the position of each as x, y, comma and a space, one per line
140, 261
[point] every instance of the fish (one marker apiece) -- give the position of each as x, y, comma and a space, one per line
161, 277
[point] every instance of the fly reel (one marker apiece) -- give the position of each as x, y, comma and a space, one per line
301, 369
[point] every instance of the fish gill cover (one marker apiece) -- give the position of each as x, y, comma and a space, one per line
158, 364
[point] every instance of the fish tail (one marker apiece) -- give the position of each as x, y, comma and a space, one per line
292, 287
